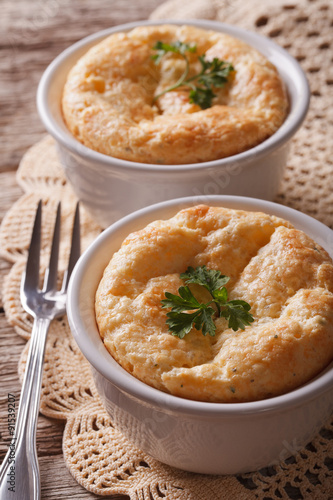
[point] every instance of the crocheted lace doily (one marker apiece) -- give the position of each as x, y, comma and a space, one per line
96, 454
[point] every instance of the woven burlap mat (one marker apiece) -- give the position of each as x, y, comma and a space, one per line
96, 454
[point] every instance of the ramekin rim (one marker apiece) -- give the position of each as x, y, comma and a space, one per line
281, 136
149, 395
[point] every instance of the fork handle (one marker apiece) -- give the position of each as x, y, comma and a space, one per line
19, 472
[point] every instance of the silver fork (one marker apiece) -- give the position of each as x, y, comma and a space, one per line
19, 473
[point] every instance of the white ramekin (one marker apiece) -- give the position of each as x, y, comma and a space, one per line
201, 437
111, 188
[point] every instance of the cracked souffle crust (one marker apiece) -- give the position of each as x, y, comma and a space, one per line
108, 99
282, 273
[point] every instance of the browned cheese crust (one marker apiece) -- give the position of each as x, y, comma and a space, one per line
108, 99
283, 274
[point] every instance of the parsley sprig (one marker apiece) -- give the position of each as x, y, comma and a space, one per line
181, 321
213, 73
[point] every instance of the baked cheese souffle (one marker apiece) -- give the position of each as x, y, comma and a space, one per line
171, 94
284, 340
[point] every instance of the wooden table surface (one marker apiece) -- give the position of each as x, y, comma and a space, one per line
32, 33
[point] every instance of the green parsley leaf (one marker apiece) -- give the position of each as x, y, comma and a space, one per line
204, 321
202, 96
176, 47
184, 302
221, 296
181, 321
236, 311
209, 278
213, 73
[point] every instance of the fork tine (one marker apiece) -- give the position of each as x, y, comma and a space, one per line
50, 281
75, 248
31, 275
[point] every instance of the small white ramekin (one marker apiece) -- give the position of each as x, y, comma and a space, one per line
210, 438
111, 188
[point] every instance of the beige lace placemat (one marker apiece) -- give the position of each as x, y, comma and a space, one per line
96, 454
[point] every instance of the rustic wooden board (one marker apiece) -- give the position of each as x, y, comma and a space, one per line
32, 33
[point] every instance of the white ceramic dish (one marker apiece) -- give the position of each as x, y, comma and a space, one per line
111, 188
202, 437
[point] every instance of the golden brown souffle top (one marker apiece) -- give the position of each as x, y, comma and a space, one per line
281, 272
108, 99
